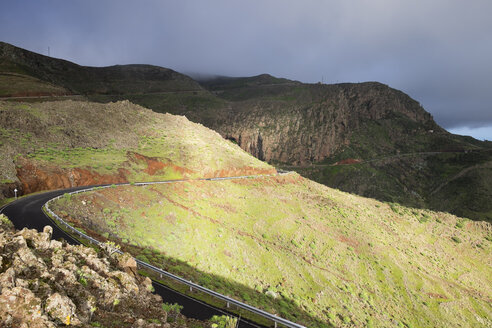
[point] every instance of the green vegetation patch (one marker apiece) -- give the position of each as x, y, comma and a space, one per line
311, 254
118, 139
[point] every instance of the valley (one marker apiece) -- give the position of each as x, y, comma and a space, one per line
292, 124
386, 221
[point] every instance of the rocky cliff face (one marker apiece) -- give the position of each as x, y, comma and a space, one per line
47, 283
364, 138
308, 123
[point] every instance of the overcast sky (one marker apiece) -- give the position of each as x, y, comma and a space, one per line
438, 51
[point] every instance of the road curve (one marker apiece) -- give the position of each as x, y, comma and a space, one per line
27, 212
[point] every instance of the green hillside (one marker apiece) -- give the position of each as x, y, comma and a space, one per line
61, 144
309, 253
114, 80
395, 150
364, 138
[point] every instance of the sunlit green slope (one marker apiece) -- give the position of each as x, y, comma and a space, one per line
309, 253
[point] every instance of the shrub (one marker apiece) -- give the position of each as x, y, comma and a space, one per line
295, 243
224, 321
456, 239
173, 311
394, 208
142, 258
424, 218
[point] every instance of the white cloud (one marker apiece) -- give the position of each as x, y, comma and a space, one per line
483, 133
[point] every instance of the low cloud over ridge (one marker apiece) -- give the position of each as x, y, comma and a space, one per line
438, 52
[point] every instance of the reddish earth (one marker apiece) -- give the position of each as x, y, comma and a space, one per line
35, 176
246, 170
47, 177
154, 165
352, 242
434, 295
348, 161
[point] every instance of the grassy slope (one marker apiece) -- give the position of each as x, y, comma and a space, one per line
408, 180
329, 257
455, 182
163, 90
103, 137
118, 79
12, 85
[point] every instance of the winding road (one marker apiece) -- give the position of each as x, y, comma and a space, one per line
27, 212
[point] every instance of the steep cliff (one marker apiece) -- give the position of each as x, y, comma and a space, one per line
364, 138
369, 128
301, 124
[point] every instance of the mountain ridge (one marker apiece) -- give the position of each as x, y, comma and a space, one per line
93, 80
308, 127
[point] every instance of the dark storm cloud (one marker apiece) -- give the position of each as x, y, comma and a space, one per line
437, 51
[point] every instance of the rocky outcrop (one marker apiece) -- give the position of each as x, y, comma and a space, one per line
316, 121
48, 283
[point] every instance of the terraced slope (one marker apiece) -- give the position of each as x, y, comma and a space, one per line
309, 253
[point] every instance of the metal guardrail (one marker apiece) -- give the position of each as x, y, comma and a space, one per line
160, 272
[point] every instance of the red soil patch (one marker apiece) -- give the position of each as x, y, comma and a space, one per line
245, 170
434, 295
348, 161
48, 177
349, 241
155, 165
226, 207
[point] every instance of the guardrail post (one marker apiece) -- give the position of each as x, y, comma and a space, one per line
191, 289
275, 324
228, 305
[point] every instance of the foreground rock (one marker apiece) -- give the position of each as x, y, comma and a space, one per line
47, 283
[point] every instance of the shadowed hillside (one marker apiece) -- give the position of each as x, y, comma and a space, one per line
364, 138
64, 77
